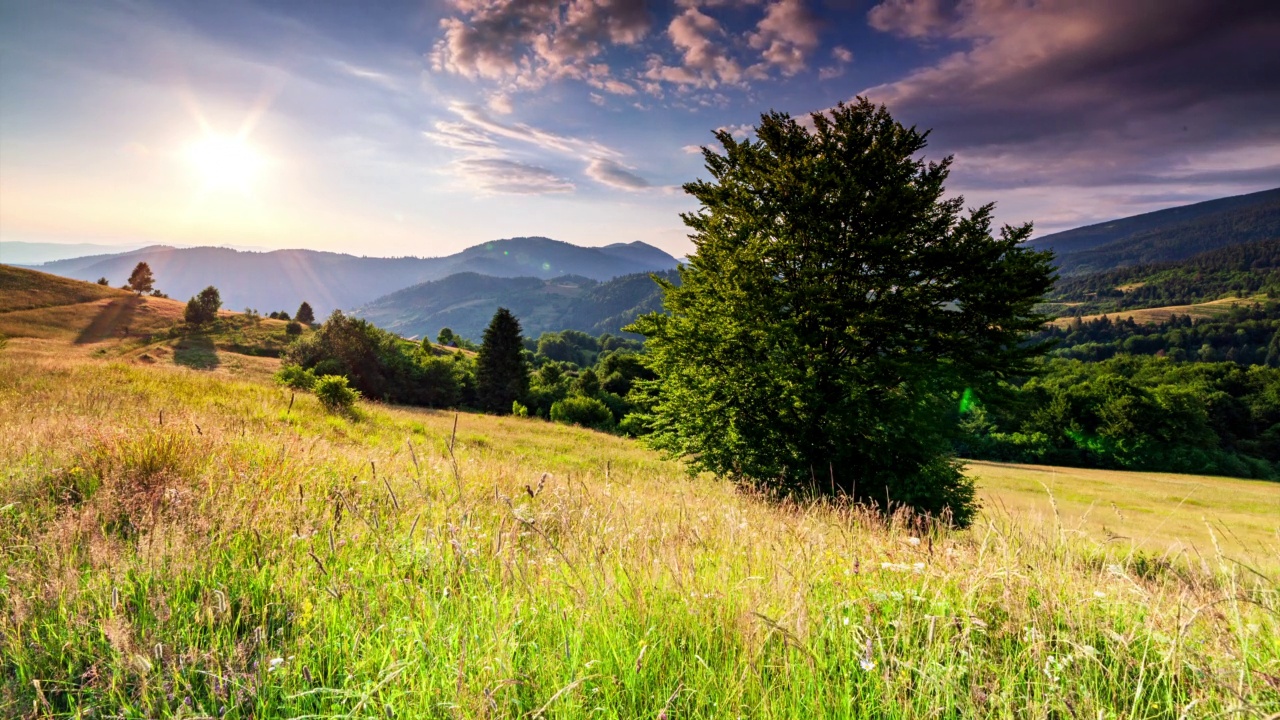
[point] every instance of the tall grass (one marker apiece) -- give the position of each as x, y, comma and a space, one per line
174, 543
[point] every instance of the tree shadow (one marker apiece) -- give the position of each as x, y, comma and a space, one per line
112, 321
196, 352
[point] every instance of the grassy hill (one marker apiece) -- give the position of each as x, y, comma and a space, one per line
180, 542
1166, 235
52, 315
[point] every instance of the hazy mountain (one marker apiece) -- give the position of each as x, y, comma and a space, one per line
14, 252
281, 279
466, 302
1166, 235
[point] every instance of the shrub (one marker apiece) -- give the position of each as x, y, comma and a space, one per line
293, 329
335, 394
296, 376
519, 410
584, 411
203, 307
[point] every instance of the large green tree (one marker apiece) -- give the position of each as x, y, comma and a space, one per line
502, 376
834, 311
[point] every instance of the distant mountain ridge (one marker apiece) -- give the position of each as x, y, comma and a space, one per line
1166, 235
466, 302
281, 279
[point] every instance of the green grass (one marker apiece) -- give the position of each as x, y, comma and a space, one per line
174, 542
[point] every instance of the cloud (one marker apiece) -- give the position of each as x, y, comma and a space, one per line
500, 103
841, 56
527, 42
609, 172
787, 35
705, 61
1092, 93
738, 131
510, 176
492, 151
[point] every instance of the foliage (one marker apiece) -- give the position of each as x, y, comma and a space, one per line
582, 410
141, 280
294, 328
296, 376
381, 365
1137, 413
203, 308
502, 377
104, 282
336, 393
833, 306
305, 314
1245, 334
1241, 271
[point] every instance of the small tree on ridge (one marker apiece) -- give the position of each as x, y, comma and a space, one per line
141, 280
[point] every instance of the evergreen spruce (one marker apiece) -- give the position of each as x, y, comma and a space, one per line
305, 314
502, 377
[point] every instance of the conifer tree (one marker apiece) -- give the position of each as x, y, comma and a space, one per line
502, 377
305, 314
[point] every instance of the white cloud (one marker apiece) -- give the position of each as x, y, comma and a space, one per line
786, 36
609, 172
510, 176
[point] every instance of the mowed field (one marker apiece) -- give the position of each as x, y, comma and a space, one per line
1154, 315
1191, 518
193, 541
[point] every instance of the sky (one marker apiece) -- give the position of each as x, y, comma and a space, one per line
421, 128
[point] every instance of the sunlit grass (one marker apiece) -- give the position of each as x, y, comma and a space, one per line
179, 542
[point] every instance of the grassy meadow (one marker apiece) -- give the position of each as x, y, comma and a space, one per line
183, 543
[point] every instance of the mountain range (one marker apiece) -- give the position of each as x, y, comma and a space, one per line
465, 303
1166, 235
281, 279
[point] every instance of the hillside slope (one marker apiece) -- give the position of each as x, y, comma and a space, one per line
282, 279
1166, 235
183, 545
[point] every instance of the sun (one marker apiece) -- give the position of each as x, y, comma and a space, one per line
224, 162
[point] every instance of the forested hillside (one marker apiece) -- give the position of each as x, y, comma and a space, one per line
1237, 271
465, 303
1166, 235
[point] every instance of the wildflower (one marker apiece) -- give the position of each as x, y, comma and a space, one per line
913, 541
867, 664
275, 664
846, 621
1099, 594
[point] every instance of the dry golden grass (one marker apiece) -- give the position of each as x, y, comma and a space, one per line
1214, 308
22, 289
1176, 516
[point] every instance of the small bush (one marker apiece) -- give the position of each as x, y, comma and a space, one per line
584, 411
335, 394
297, 377
294, 328
519, 410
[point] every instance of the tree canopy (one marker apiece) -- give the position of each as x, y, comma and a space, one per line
141, 280
502, 376
203, 307
835, 308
